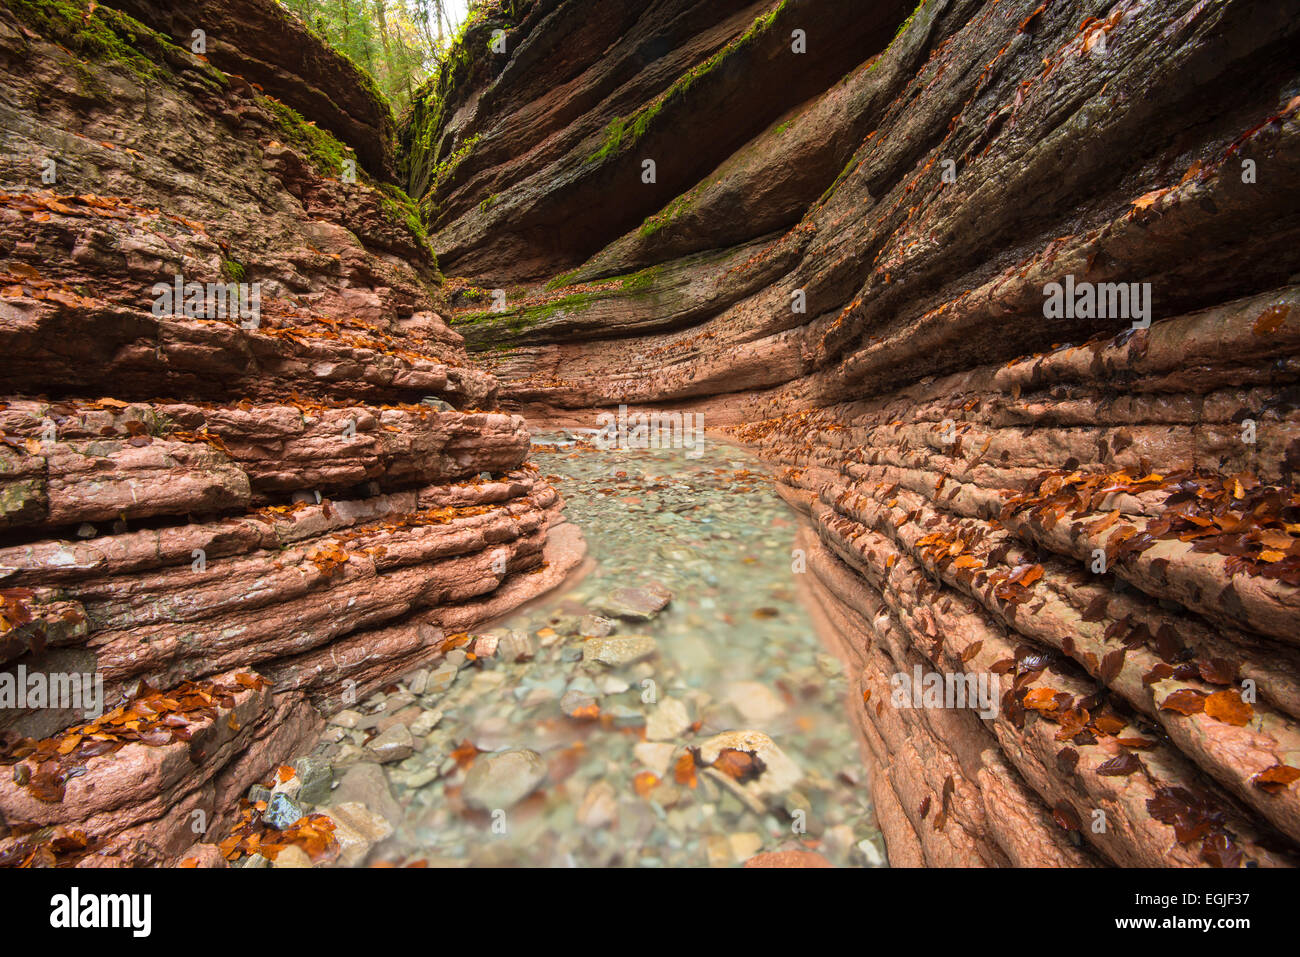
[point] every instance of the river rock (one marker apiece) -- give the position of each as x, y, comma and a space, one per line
395, 744
367, 784
281, 812
668, 720
619, 650
640, 603
500, 781
756, 702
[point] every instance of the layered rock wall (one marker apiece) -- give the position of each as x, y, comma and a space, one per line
276, 510
852, 255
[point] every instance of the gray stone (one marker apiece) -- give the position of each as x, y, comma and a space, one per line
619, 649
281, 812
599, 805
425, 723
348, 718
292, 856
395, 744
575, 703
625, 716
516, 646
357, 829
499, 781
366, 784
667, 721
640, 604
594, 626
441, 679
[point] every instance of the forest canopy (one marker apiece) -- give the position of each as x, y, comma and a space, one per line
398, 42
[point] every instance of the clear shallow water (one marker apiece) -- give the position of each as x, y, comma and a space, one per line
735, 650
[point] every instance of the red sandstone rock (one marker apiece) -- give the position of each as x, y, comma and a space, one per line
323, 494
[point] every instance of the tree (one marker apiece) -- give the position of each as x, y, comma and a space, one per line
398, 42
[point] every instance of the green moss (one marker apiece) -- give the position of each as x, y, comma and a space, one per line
102, 34
852, 164
233, 270
444, 170
563, 279
669, 213
521, 319
626, 131
401, 208
639, 283
320, 146
327, 154
902, 27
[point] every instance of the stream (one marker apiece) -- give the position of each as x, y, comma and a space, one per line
590, 747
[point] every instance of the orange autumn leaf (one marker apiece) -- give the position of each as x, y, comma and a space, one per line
741, 766
1277, 778
645, 782
1041, 699
465, 754
1184, 701
1271, 320
684, 770
1146, 200
1228, 707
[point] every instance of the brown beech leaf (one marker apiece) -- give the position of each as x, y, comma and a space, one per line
1276, 779
1228, 707
1096, 610
1184, 701
1067, 759
1112, 664
1217, 671
1067, 817
1121, 765
1041, 699
684, 770
741, 766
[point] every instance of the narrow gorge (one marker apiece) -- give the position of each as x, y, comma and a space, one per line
635, 443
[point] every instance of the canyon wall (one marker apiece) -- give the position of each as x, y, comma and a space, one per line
238, 514
1005, 293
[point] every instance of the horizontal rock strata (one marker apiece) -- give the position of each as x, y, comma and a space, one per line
311, 497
